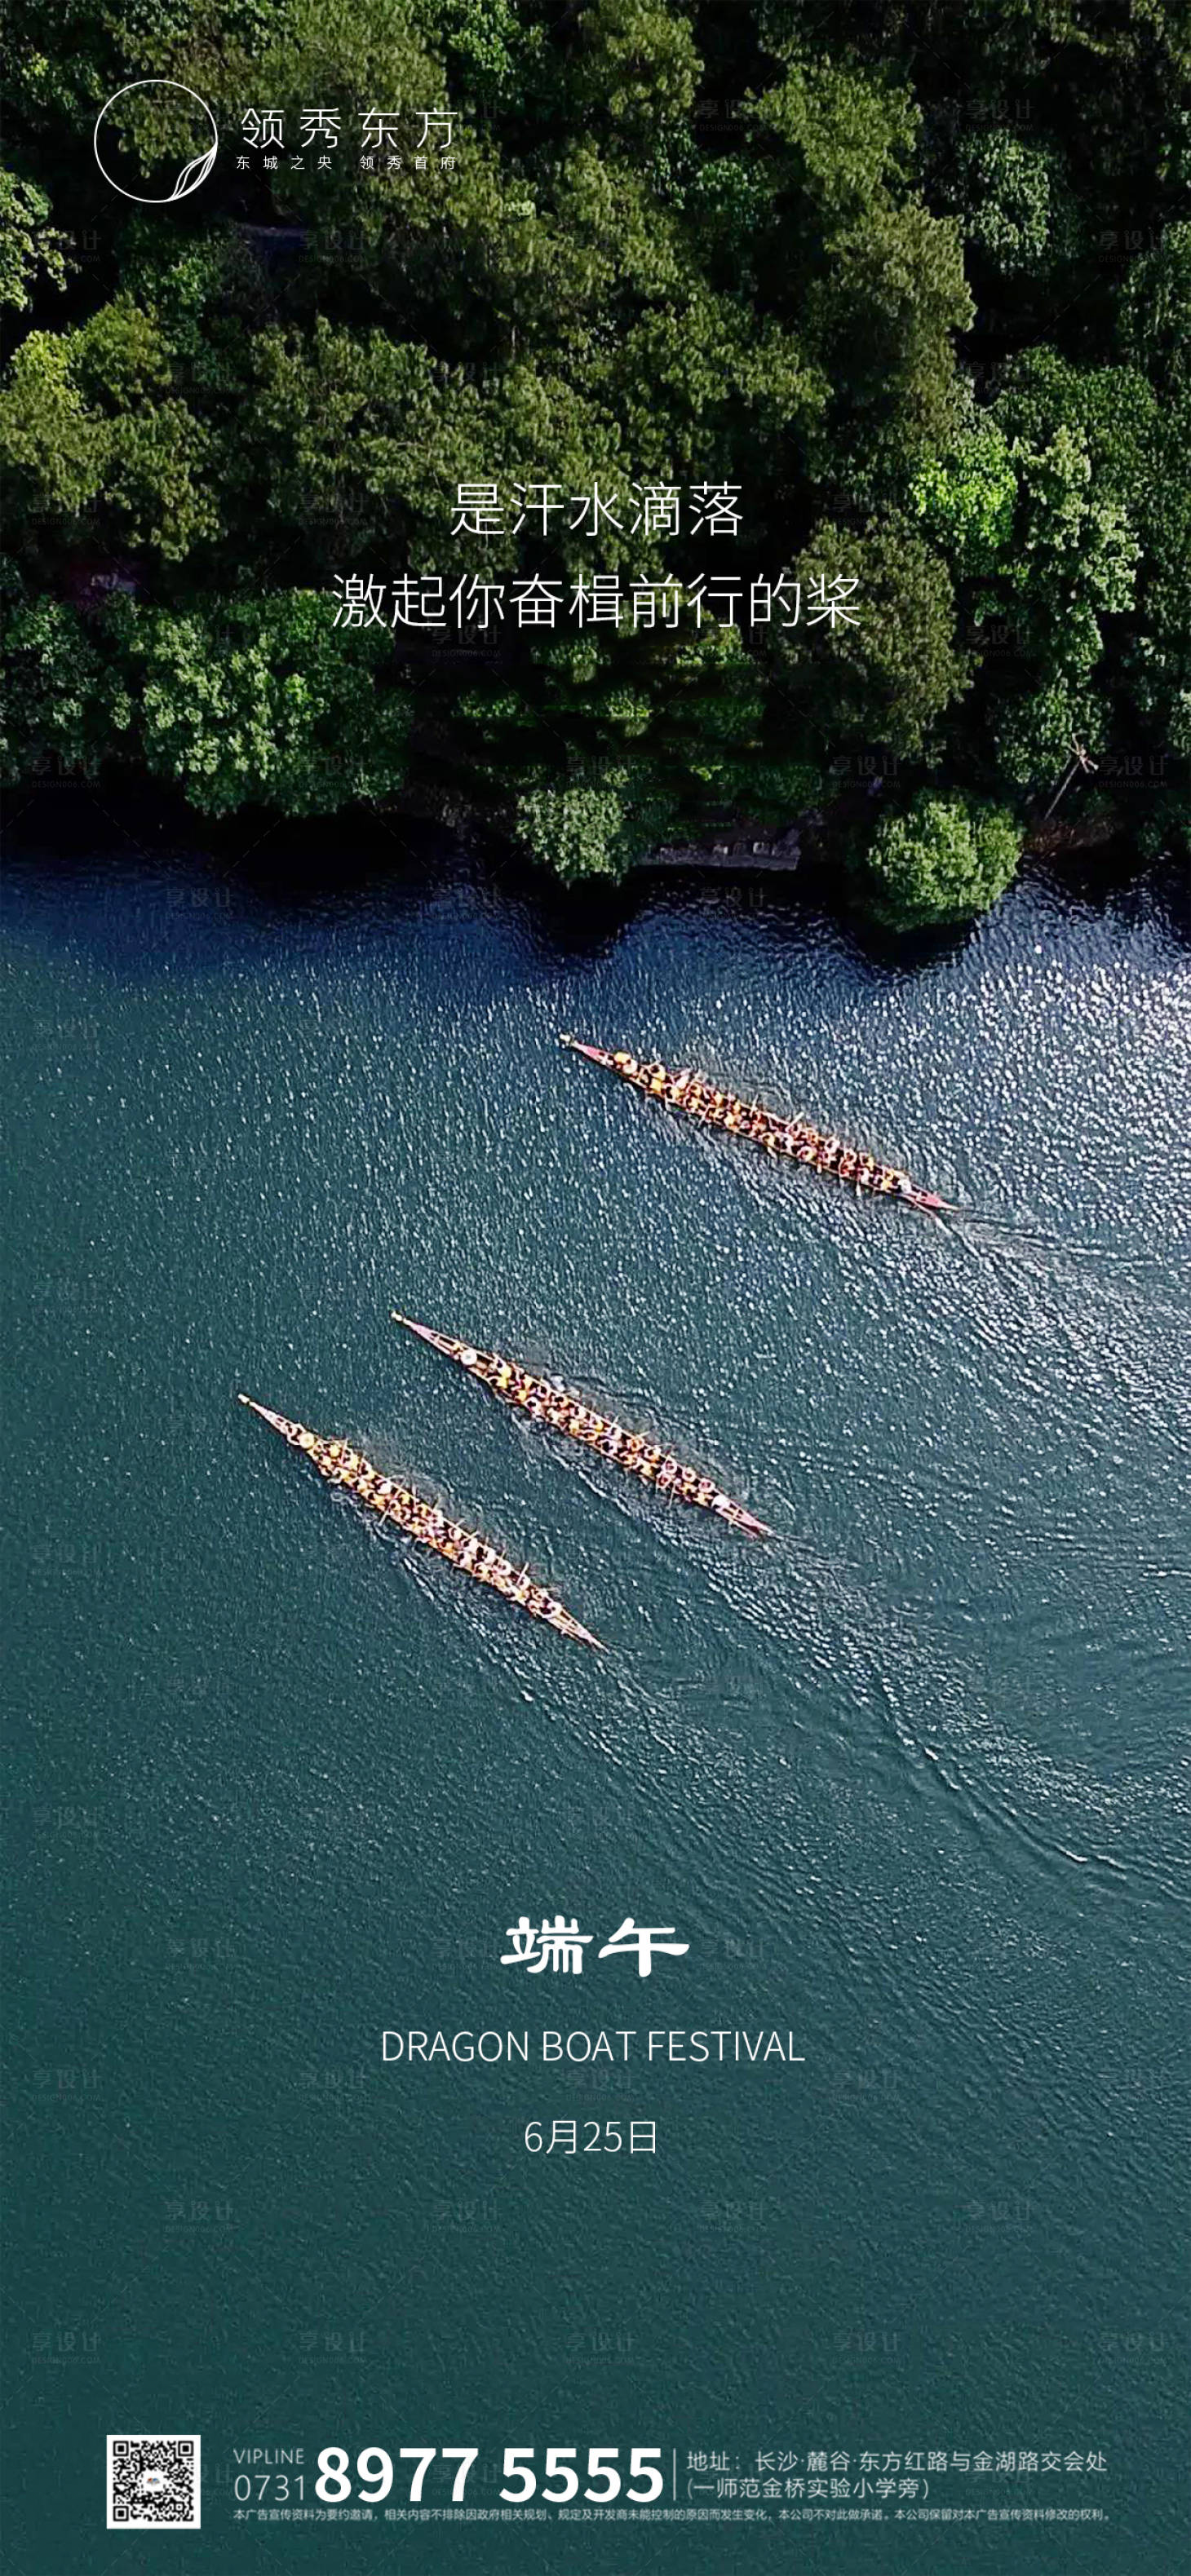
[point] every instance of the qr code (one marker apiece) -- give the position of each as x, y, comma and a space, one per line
153, 2481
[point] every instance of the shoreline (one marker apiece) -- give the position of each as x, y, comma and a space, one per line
139, 810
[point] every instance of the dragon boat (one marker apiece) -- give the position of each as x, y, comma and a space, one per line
792, 1137
424, 1522
562, 1411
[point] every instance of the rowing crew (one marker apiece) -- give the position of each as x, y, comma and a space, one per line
418, 1518
630, 1449
793, 1136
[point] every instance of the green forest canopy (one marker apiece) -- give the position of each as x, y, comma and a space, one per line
918, 282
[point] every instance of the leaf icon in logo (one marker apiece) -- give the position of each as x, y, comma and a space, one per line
193, 175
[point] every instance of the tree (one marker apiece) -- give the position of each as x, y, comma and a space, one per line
637, 67
593, 825
89, 423
30, 246
1111, 410
946, 858
1038, 730
966, 496
1015, 203
1075, 553
1159, 652
64, 706
889, 677
53, 447
1156, 309
262, 702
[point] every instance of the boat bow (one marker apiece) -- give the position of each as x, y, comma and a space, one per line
595, 1055
451, 1350
277, 1421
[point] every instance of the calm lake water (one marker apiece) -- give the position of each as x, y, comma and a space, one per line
908, 1779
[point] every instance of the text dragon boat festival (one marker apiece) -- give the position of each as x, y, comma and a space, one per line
423, 1521
794, 1137
562, 1411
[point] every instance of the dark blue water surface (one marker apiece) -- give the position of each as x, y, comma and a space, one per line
909, 1779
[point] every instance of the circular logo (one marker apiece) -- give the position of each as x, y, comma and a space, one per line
193, 172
